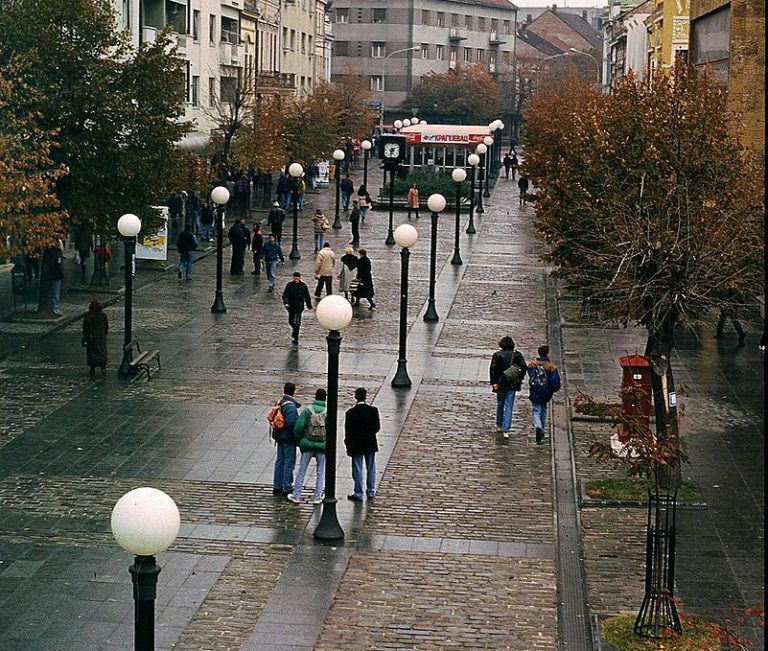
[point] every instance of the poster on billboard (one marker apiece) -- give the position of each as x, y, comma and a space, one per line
155, 246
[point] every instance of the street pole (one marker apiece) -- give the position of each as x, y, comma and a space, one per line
329, 528
401, 379
458, 175
336, 220
435, 203
481, 149
472, 168
294, 254
130, 250
218, 306
390, 235
487, 165
144, 573
366, 146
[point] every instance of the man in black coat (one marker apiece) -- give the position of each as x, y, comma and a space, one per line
360, 428
240, 238
295, 297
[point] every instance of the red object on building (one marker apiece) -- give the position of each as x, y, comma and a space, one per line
635, 393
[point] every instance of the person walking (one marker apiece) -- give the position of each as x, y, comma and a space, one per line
543, 382
295, 297
83, 245
52, 272
275, 220
301, 190
346, 275
364, 280
95, 328
363, 202
361, 425
515, 164
243, 194
284, 190
240, 238
347, 187
730, 311
186, 242
257, 243
354, 220
206, 219
310, 432
285, 460
195, 214
271, 253
522, 186
507, 373
320, 224
413, 200
507, 165
324, 263
266, 186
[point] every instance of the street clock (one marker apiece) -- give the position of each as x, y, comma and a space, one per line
392, 149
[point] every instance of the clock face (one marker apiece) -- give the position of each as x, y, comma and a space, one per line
391, 150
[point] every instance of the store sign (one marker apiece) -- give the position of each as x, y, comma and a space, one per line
447, 139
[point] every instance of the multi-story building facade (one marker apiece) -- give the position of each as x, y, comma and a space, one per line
392, 45
667, 27
625, 41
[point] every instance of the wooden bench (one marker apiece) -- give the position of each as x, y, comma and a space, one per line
142, 361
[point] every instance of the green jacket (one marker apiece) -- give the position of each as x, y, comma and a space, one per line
301, 426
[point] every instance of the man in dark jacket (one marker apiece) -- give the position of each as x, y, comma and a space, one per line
257, 242
282, 481
354, 220
507, 165
186, 242
507, 372
284, 190
275, 220
240, 238
347, 187
295, 297
543, 382
360, 428
271, 253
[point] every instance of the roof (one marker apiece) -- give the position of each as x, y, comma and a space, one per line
581, 27
505, 4
538, 43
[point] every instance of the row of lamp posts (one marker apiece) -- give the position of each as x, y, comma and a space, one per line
146, 521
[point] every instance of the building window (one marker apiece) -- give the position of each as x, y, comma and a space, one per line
454, 53
494, 25
230, 33
211, 91
480, 55
507, 27
187, 82
455, 20
377, 82
303, 43
293, 40
425, 50
480, 24
196, 25
285, 38
467, 54
212, 29
506, 58
468, 22
195, 91
378, 50
169, 12
342, 15
228, 90
440, 19
439, 52
424, 17
379, 15
342, 48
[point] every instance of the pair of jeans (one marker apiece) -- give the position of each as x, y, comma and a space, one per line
294, 320
319, 241
539, 416
505, 403
207, 231
363, 212
285, 198
327, 281
271, 267
370, 474
185, 263
345, 197
300, 202
55, 295
303, 465
256, 264
285, 461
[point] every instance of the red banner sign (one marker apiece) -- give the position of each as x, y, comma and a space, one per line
444, 139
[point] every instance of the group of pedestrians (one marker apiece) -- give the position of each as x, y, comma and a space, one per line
305, 429
508, 371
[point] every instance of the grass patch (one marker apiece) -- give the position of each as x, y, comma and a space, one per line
634, 490
602, 409
697, 636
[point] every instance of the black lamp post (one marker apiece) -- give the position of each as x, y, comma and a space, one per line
472, 160
458, 175
220, 196
295, 170
129, 527
128, 226
481, 150
436, 204
338, 156
488, 142
406, 237
390, 234
334, 313
366, 147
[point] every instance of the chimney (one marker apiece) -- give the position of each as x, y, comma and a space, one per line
528, 18
584, 14
554, 9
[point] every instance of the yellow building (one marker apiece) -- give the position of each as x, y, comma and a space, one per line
667, 32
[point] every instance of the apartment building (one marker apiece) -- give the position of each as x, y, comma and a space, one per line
625, 41
667, 26
392, 45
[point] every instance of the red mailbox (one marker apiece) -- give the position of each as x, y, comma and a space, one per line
635, 392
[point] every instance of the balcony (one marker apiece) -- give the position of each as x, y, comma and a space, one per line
495, 40
457, 34
451, 65
230, 54
492, 68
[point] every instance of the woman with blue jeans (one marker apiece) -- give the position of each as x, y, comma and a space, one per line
507, 371
543, 382
310, 430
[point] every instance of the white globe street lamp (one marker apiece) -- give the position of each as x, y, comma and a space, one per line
458, 175
436, 204
128, 226
338, 156
366, 147
295, 170
405, 237
219, 196
473, 160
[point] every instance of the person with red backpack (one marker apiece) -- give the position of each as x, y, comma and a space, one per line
543, 383
282, 434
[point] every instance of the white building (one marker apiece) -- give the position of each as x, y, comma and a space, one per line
625, 41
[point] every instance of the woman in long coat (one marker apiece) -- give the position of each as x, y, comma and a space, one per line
95, 328
348, 265
364, 280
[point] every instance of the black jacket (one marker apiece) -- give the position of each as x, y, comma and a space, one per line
186, 241
276, 216
500, 362
360, 428
296, 295
239, 236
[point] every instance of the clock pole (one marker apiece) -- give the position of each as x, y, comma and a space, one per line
390, 241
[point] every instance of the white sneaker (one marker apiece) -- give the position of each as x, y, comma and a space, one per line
295, 500
504, 434
317, 501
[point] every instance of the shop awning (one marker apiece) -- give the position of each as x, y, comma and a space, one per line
445, 135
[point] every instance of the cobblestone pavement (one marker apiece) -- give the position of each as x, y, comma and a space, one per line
458, 550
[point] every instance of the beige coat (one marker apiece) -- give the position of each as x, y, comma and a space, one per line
320, 223
324, 262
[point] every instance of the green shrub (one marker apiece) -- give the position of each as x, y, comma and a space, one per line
635, 490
